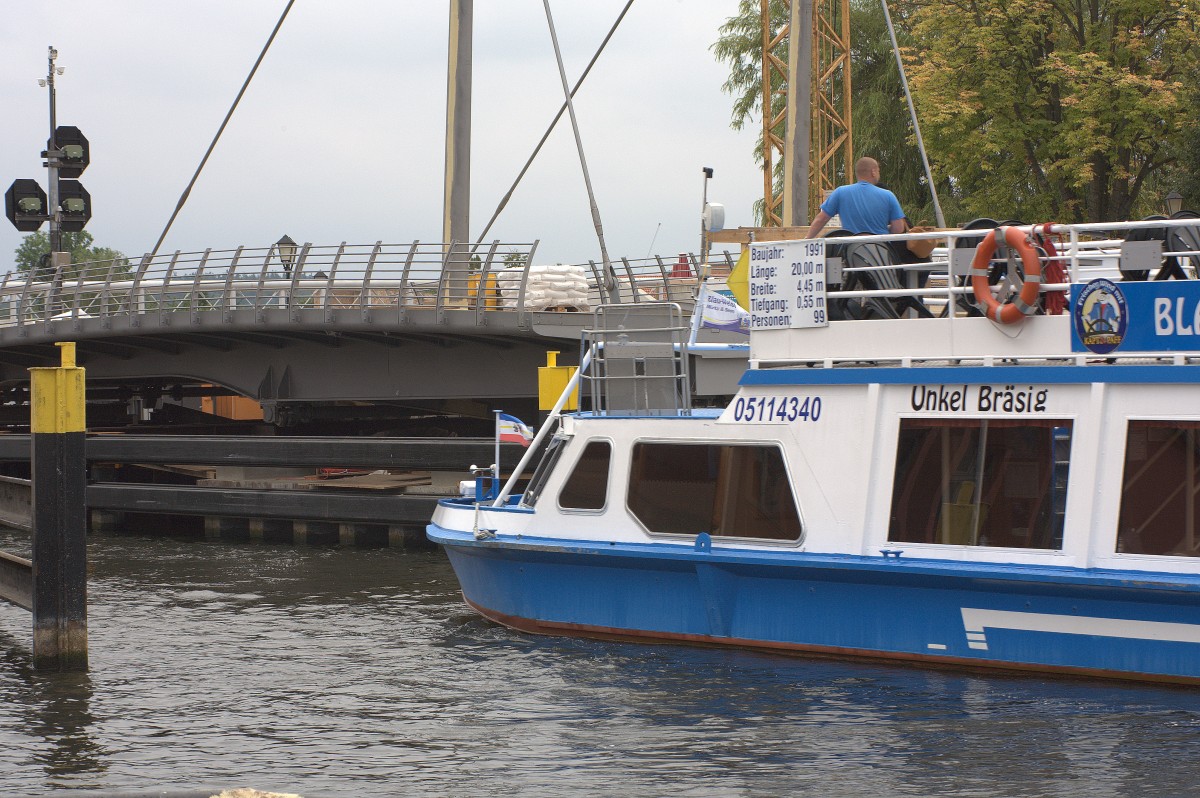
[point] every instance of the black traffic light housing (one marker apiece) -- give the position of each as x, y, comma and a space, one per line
76, 152
76, 205
25, 205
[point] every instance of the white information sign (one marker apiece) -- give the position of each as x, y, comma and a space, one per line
787, 285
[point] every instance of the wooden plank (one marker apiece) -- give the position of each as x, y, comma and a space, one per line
374, 482
741, 235
16, 580
16, 509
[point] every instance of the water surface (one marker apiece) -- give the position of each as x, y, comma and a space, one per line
353, 672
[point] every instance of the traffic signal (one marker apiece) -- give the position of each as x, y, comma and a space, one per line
25, 205
76, 205
76, 152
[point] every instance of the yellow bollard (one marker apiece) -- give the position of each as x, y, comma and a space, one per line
57, 421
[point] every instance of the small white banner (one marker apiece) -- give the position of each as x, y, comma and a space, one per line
724, 313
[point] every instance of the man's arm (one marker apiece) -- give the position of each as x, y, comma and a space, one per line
896, 221
818, 223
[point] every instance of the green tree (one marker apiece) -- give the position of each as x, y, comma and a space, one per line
515, 259
740, 45
33, 255
880, 115
1056, 109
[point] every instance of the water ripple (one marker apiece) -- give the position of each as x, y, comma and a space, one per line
341, 672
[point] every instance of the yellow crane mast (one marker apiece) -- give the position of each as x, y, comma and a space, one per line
831, 147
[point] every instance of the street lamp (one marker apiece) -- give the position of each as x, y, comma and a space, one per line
286, 248
1173, 202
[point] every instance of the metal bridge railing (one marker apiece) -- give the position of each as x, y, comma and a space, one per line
365, 277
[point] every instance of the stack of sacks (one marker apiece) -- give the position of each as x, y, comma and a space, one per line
554, 286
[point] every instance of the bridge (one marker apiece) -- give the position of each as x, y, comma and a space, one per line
320, 334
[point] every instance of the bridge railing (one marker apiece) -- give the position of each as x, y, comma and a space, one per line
443, 277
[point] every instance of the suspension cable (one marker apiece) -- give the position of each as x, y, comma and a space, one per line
937, 207
610, 278
562, 110
187, 191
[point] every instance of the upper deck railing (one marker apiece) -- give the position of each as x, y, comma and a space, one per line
876, 276
370, 277
873, 278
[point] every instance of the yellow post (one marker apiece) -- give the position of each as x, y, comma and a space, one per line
57, 421
552, 381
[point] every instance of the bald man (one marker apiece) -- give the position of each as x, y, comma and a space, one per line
863, 206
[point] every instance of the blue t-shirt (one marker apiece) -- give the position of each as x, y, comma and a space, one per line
863, 207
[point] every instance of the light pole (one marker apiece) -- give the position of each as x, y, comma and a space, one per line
52, 157
1173, 203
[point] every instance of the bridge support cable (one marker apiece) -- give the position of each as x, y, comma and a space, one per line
609, 276
937, 206
187, 191
553, 123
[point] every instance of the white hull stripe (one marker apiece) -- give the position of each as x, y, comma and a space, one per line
974, 621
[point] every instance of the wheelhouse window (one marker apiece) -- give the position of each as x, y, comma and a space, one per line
981, 482
726, 491
587, 486
1159, 507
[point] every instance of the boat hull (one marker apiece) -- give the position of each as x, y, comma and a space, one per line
1052, 620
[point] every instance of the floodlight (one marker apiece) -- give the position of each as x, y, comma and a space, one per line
76, 151
75, 204
25, 205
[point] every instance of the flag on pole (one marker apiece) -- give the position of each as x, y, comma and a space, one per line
723, 313
510, 429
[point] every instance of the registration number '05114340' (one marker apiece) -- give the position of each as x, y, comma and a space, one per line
776, 409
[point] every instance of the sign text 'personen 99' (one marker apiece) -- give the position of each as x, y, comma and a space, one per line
787, 285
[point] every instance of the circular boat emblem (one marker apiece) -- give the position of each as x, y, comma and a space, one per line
1101, 316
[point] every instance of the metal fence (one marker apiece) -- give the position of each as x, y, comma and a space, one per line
434, 276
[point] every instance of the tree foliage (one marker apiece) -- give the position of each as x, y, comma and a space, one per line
1044, 109
880, 115
1071, 110
33, 256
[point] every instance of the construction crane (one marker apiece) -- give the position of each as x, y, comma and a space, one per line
831, 148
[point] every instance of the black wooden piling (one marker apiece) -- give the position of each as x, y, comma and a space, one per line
59, 515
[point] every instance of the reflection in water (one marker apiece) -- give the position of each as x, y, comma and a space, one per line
55, 709
341, 672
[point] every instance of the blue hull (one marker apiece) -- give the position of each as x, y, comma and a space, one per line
1104, 623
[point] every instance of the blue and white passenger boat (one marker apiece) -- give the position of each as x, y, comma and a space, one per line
899, 476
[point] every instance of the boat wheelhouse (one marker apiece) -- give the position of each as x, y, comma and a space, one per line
899, 475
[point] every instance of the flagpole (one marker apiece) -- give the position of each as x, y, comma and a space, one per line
496, 462
550, 421
698, 313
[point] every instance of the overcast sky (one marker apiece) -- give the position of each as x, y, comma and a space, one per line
340, 136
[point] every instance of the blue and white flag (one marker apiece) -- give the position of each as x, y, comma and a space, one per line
510, 429
724, 313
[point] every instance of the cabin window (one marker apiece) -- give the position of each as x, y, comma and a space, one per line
545, 466
981, 482
1159, 507
726, 491
587, 487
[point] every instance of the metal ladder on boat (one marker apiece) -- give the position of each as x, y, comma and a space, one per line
639, 360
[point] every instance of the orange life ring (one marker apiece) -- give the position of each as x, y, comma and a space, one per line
1025, 303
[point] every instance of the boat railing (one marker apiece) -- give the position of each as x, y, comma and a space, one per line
371, 278
896, 284
639, 360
